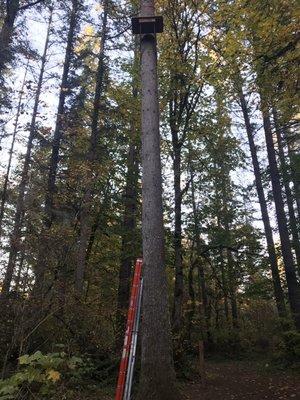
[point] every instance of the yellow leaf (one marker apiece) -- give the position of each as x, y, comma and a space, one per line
89, 30
54, 376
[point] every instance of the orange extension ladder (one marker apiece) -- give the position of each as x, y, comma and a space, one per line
124, 384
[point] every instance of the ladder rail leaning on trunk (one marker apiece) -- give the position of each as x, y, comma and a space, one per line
127, 353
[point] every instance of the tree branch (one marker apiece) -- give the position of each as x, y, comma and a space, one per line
22, 8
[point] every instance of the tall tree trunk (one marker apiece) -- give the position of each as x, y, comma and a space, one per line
201, 272
20, 268
157, 379
278, 292
295, 170
85, 217
6, 33
231, 265
128, 250
217, 311
7, 30
232, 284
11, 152
288, 192
205, 306
15, 241
224, 285
54, 158
60, 116
291, 278
192, 304
179, 283
234, 310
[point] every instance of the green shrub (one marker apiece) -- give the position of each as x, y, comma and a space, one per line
41, 374
291, 341
287, 353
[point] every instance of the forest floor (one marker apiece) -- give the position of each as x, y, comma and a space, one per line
240, 380
243, 380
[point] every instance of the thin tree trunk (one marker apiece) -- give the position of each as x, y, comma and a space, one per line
234, 310
11, 151
192, 304
20, 268
128, 251
60, 117
179, 283
217, 312
54, 158
278, 292
157, 379
291, 278
295, 170
7, 30
98, 222
85, 218
128, 246
6, 33
288, 192
15, 241
231, 270
92, 237
205, 307
225, 286
201, 273
232, 286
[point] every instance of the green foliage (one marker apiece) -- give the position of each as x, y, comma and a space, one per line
226, 343
39, 373
208, 51
291, 347
285, 350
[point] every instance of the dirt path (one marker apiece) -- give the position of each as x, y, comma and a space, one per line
244, 381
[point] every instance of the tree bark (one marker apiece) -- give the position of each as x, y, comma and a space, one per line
278, 292
15, 241
11, 152
291, 278
288, 193
85, 217
157, 379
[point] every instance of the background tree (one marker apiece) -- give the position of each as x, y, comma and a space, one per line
73, 225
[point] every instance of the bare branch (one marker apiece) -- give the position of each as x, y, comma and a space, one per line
28, 5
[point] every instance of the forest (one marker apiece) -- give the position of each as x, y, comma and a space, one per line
167, 131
